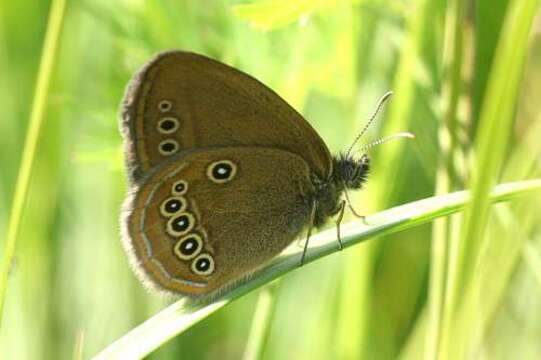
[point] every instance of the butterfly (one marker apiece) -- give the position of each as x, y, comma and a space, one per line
223, 174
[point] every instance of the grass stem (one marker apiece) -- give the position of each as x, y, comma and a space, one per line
50, 48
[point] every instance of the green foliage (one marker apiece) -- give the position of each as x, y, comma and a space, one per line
184, 314
466, 80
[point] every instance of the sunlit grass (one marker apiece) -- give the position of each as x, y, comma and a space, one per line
461, 325
465, 77
184, 314
39, 103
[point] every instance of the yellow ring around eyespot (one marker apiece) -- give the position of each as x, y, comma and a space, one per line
183, 206
221, 181
210, 269
178, 193
168, 131
165, 105
171, 152
182, 256
173, 232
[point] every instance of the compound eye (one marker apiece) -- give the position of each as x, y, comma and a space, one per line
365, 159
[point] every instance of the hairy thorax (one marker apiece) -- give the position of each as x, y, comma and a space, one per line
348, 173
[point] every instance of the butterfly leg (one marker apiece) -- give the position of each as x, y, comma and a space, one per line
355, 213
309, 233
338, 222
362, 217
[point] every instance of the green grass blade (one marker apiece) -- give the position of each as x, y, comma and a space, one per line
182, 315
453, 60
533, 261
261, 324
492, 139
359, 306
50, 47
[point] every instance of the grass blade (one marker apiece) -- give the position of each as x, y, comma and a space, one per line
261, 324
492, 139
446, 179
182, 315
50, 47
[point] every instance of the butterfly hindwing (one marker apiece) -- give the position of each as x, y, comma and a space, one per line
208, 217
181, 100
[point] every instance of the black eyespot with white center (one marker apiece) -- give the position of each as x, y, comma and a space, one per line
168, 147
180, 224
203, 265
165, 105
168, 125
179, 187
221, 171
172, 206
188, 247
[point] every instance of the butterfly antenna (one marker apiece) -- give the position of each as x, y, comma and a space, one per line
387, 139
381, 101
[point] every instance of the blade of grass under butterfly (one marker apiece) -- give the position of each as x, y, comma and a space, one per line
182, 315
50, 47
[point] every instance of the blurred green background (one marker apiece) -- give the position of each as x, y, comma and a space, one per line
450, 64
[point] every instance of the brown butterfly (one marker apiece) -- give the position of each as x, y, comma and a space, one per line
224, 174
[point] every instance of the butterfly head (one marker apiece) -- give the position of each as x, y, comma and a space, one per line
350, 172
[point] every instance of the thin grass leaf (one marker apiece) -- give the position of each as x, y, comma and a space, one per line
182, 315
446, 178
493, 135
382, 193
533, 259
261, 324
50, 49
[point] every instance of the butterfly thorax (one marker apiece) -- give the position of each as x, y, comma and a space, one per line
348, 173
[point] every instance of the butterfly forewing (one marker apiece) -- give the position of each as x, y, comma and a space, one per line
182, 100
